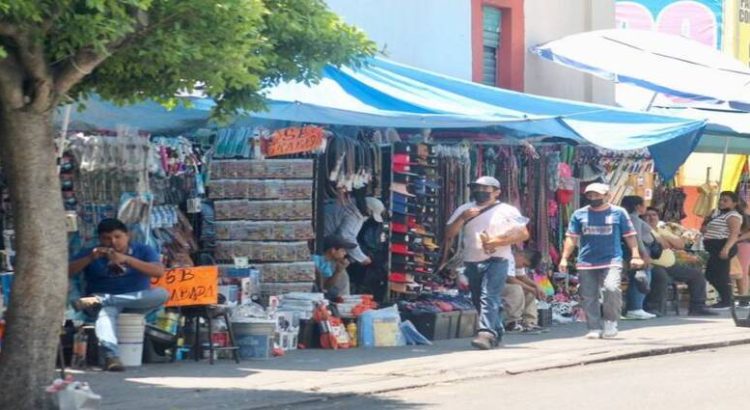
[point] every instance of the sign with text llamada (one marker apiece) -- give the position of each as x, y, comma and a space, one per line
295, 140
190, 286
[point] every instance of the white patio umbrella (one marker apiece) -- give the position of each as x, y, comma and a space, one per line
662, 63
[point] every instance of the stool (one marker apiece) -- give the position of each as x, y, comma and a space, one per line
673, 298
209, 312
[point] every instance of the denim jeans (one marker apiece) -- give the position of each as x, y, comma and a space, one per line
600, 295
486, 281
143, 301
635, 297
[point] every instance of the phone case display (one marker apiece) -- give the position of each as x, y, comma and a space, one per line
262, 169
226, 251
276, 272
415, 205
263, 230
263, 212
244, 209
261, 189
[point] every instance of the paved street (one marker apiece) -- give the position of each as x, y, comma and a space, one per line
707, 379
311, 376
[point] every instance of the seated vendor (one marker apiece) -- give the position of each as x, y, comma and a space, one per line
330, 267
118, 276
521, 293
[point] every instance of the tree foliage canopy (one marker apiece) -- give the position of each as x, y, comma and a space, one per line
130, 50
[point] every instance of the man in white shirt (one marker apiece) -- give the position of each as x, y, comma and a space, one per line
489, 229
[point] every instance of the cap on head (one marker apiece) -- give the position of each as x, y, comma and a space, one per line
486, 181
337, 242
376, 208
597, 187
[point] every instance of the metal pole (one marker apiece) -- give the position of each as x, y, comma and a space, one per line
651, 103
723, 163
63, 135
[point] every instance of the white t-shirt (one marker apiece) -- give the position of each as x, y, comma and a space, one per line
512, 271
494, 222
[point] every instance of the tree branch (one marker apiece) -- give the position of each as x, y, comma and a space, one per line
76, 68
31, 54
11, 83
8, 29
85, 60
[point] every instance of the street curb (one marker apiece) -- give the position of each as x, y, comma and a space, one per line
583, 362
640, 354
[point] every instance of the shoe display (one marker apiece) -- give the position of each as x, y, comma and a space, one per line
639, 315
610, 329
484, 341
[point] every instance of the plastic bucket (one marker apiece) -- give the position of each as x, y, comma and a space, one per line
255, 339
131, 354
130, 333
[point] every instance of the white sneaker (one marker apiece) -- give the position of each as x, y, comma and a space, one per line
594, 334
639, 315
610, 329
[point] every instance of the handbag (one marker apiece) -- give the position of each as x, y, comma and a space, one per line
655, 249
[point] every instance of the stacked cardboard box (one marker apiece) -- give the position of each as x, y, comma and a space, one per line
264, 213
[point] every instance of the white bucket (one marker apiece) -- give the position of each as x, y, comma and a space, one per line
130, 332
131, 354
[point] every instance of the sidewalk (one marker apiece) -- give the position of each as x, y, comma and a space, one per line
313, 375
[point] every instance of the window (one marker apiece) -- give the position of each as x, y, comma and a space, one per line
491, 44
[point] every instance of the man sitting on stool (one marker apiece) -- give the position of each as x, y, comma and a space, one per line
118, 279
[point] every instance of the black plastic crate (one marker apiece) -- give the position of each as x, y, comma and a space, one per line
467, 324
435, 326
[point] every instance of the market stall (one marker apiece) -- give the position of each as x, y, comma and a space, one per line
257, 212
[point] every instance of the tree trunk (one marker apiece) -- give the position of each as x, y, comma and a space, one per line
34, 318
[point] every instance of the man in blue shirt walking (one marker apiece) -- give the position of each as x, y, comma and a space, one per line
597, 229
118, 279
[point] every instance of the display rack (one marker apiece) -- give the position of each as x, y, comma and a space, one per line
414, 207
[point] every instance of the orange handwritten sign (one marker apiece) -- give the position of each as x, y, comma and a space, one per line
190, 286
294, 140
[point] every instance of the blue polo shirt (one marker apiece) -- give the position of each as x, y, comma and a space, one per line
599, 233
100, 278
324, 266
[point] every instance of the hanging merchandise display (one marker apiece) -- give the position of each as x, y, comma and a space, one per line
414, 204
138, 180
109, 170
353, 163
671, 203
627, 173
263, 212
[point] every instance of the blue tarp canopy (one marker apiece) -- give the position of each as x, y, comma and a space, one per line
386, 94
726, 129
